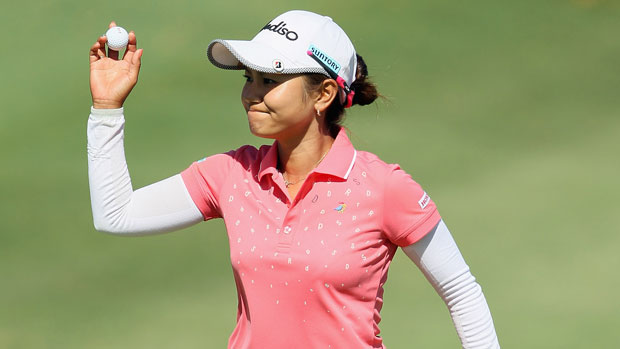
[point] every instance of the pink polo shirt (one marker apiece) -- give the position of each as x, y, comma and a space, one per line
310, 271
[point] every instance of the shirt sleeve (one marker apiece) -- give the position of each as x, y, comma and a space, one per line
204, 179
409, 213
118, 209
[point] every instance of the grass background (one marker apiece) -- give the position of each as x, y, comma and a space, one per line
506, 112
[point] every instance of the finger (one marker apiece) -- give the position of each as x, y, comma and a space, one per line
133, 41
112, 54
93, 55
136, 62
131, 46
102, 41
97, 50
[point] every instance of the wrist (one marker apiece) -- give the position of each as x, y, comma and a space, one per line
106, 104
106, 113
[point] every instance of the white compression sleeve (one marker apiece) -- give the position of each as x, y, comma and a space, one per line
439, 258
160, 207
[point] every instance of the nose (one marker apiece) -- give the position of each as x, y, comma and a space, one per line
251, 93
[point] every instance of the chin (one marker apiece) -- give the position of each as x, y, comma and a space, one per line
258, 132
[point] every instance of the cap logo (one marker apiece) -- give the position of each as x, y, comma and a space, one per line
277, 65
281, 29
327, 60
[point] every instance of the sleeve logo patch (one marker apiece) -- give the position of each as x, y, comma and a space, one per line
423, 202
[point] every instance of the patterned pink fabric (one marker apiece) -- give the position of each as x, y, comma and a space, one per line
310, 271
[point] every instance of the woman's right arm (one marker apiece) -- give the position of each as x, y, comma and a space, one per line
117, 208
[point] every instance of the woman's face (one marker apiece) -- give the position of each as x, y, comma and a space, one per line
277, 105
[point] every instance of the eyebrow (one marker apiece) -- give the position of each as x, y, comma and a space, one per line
249, 72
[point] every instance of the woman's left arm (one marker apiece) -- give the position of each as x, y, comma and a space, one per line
438, 257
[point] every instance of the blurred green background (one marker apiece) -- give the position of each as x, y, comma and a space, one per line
507, 112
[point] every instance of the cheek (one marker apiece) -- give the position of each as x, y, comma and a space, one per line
245, 96
286, 100
277, 99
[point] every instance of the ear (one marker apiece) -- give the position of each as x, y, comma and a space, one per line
327, 93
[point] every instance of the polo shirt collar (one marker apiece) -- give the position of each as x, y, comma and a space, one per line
340, 158
338, 162
269, 163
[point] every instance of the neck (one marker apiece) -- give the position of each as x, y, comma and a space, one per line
299, 157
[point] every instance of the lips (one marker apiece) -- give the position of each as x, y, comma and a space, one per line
256, 111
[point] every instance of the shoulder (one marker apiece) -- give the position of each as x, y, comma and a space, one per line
246, 156
390, 177
372, 164
407, 212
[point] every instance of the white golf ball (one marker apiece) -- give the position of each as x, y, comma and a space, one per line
117, 38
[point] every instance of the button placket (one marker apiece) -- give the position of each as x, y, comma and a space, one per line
286, 238
287, 231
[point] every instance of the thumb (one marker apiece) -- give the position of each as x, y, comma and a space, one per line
136, 62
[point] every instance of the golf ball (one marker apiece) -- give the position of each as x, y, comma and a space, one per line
117, 38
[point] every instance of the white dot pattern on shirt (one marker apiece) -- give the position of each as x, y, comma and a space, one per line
327, 224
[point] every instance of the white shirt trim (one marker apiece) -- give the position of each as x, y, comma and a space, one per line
346, 176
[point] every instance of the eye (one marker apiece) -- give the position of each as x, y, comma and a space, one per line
269, 81
247, 78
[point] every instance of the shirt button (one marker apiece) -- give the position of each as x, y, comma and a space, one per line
287, 229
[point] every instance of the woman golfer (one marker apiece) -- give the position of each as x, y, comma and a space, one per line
312, 222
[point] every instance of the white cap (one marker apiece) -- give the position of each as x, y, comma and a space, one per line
292, 43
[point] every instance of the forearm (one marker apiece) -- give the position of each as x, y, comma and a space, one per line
117, 208
439, 258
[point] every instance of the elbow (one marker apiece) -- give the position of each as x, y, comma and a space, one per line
105, 225
105, 228
102, 227
121, 227
461, 288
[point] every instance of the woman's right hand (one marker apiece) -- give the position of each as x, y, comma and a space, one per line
111, 79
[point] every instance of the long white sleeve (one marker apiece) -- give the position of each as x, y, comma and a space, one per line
439, 258
160, 207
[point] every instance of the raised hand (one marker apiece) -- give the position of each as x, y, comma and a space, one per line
111, 79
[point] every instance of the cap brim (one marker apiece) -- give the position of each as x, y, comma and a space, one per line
239, 54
